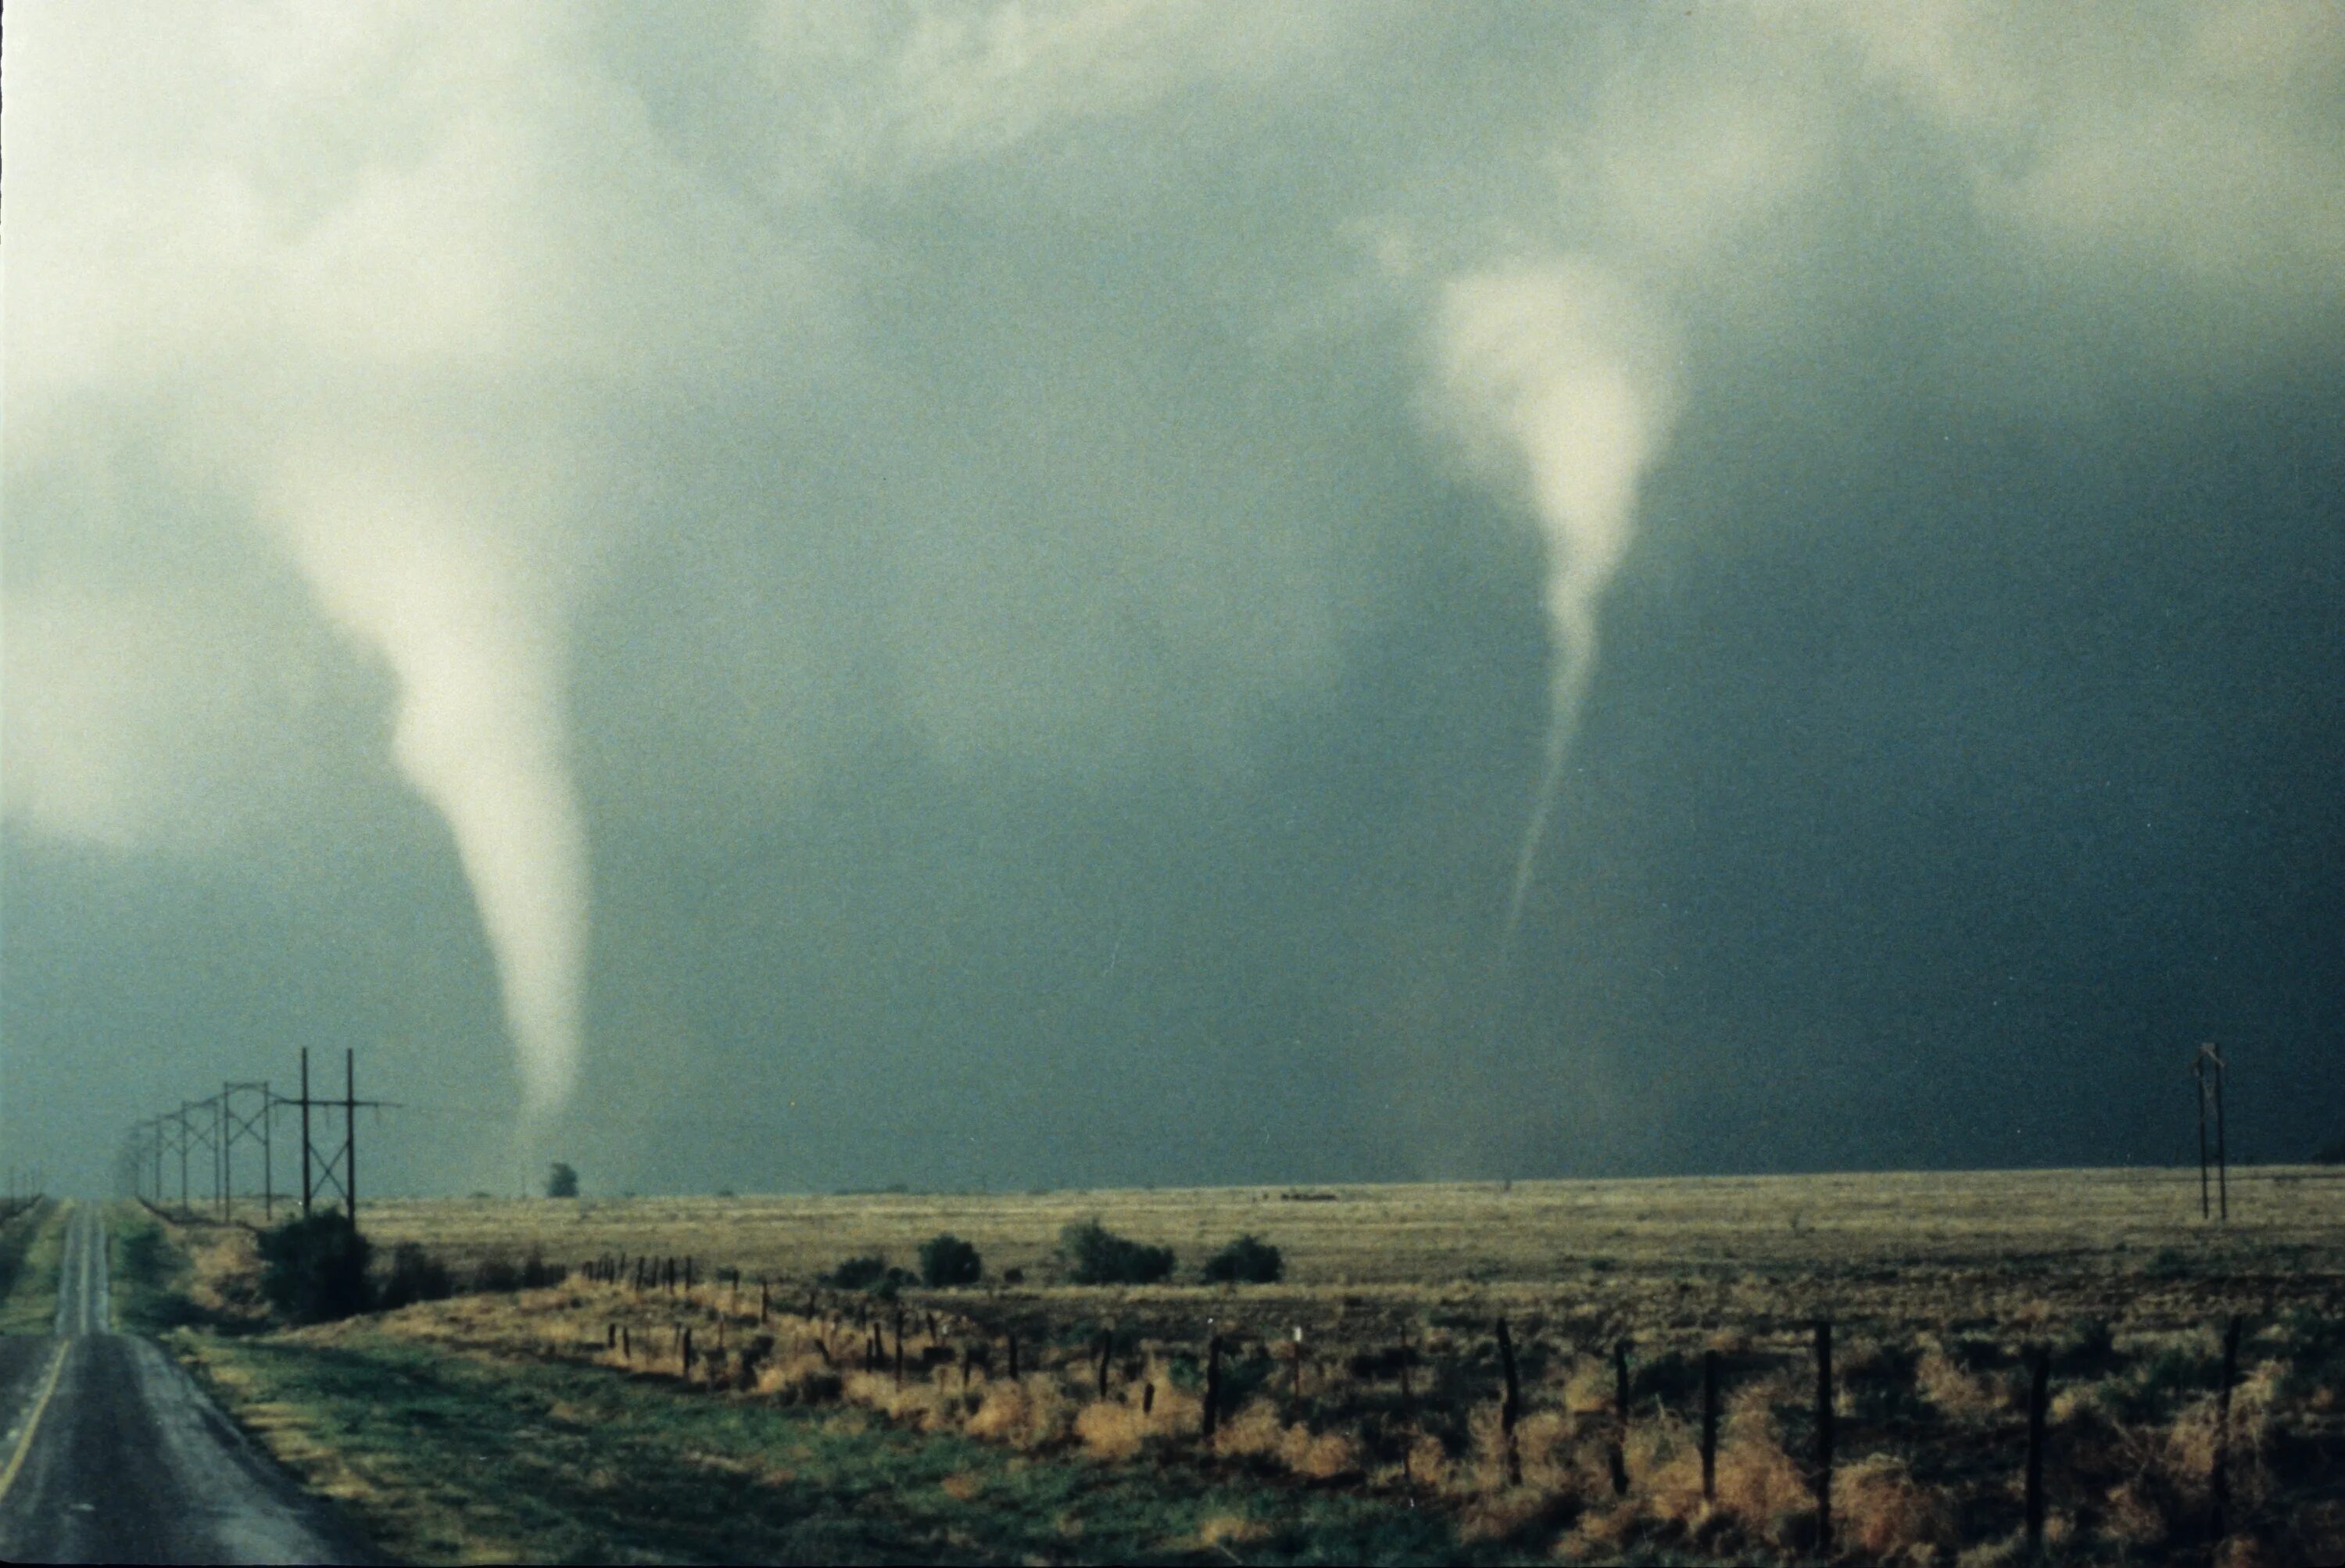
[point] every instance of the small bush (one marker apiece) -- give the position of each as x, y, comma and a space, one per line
1248, 1261
947, 1260
871, 1273
498, 1274
415, 1276
314, 1270
1097, 1256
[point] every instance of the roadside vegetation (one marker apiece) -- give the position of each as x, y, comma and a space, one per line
32, 1246
449, 1457
152, 1276
979, 1399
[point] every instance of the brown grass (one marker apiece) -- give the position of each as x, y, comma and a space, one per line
1883, 1512
1683, 1265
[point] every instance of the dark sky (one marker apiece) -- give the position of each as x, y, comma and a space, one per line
976, 595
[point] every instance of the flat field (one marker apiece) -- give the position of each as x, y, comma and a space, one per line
2194, 1395
1687, 1256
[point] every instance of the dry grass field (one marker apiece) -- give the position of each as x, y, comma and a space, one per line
1687, 1255
1943, 1292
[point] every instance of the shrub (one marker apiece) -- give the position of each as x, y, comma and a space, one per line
562, 1181
1248, 1261
314, 1270
497, 1273
1097, 1256
871, 1273
947, 1260
415, 1276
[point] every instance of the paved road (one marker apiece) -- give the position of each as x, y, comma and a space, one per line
110, 1453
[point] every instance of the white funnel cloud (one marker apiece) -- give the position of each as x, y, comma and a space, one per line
468, 622
1554, 377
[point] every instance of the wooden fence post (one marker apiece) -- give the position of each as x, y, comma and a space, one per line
1106, 1348
2222, 1477
1510, 1409
1620, 1455
899, 1344
2039, 1389
626, 1345
684, 1354
1823, 1461
1710, 1426
1013, 1355
1212, 1386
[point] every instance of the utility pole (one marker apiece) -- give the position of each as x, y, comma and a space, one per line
336, 1168
2209, 1070
305, 1132
246, 1125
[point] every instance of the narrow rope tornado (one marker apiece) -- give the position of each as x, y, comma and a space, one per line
1553, 377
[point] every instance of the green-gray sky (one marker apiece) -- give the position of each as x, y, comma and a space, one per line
803, 595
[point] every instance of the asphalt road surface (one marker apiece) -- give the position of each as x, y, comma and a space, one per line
110, 1453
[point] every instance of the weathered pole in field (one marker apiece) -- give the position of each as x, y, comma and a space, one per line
1212, 1382
2038, 1398
2222, 1477
1823, 1456
1710, 1426
1511, 1408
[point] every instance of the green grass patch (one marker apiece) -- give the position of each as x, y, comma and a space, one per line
444, 1458
150, 1274
32, 1246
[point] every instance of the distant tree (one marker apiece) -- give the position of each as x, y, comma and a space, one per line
1097, 1256
1248, 1261
562, 1181
947, 1260
2331, 1153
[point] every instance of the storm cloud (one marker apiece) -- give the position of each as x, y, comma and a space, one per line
983, 593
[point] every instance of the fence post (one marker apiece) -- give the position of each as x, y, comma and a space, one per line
1824, 1439
1510, 1409
1710, 1426
1106, 1348
899, 1344
2222, 1477
1212, 1386
684, 1353
1620, 1455
1013, 1355
2039, 1389
626, 1345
